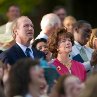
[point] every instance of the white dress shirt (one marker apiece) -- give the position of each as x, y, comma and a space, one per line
28, 95
76, 50
42, 35
24, 49
8, 28
6, 35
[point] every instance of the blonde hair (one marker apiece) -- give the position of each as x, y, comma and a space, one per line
93, 35
51, 20
70, 18
14, 26
91, 87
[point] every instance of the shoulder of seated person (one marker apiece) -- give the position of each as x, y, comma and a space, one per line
89, 48
2, 28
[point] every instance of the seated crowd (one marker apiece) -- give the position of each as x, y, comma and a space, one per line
60, 62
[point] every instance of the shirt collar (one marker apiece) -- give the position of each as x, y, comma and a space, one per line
23, 47
28, 95
78, 45
44, 34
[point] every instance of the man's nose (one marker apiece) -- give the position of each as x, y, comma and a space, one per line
30, 28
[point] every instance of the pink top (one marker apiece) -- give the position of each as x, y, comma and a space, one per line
77, 69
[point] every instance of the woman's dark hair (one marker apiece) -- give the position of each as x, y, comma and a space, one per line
81, 23
37, 41
56, 37
60, 88
19, 77
58, 7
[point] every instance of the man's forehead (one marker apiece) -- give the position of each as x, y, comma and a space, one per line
13, 7
24, 19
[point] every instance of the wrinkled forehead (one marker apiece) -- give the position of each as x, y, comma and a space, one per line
24, 20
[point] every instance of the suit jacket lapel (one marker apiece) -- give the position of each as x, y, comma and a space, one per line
34, 53
19, 51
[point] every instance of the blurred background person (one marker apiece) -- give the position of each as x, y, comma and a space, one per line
67, 86
61, 12
69, 23
93, 61
80, 52
49, 23
90, 89
6, 39
92, 43
60, 44
26, 78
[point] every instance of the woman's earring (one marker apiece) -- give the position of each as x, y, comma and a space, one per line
57, 50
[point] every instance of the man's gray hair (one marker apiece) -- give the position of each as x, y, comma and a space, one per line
50, 20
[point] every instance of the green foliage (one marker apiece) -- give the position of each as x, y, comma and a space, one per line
25, 5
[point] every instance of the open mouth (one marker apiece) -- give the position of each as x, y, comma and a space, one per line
42, 87
46, 53
68, 47
30, 33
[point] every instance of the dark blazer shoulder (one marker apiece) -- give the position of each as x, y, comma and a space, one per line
12, 55
38, 54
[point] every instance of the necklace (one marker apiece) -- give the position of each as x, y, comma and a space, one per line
68, 64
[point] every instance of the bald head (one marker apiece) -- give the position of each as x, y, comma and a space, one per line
21, 19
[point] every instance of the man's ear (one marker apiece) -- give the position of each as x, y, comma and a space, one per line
14, 32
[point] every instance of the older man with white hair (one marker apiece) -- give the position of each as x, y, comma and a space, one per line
49, 23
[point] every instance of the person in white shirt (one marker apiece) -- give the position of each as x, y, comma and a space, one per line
49, 23
82, 32
13, 12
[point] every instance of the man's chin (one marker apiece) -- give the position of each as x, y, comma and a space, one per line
83, 43
30, 38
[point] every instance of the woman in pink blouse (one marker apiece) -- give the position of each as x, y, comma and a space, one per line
60, 44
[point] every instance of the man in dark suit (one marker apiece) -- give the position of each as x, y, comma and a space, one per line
23, 33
